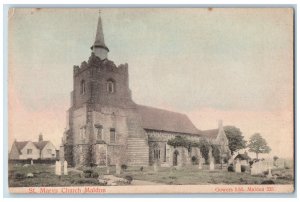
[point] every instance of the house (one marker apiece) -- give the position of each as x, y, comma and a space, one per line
32, 150
106, 127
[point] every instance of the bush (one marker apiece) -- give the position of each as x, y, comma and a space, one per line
194, 160
87, 175
123, 167
243, 168
88, 171
94, 175
230, 168
129, 179
19, 176
141, 169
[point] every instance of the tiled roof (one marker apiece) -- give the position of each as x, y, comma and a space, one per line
212, 134
21, 145
41, 144
163, 120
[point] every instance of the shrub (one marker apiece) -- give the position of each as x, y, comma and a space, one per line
230, 168
141, 169
88, 171
123, 167
129, 179
194, 160
93, 165
243, 168
94, 175
87, 175
19, 176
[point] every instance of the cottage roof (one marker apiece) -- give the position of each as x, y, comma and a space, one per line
41, 144
164, 120
21, 145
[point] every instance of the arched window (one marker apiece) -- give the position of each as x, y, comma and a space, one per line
110, 86
82, 87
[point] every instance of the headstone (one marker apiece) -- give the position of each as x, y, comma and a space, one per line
269, 176
155, 167
238, 166
200, 163
65, 167
29, 175
118, 169
57, 168
31, 162
107, 170
212, 164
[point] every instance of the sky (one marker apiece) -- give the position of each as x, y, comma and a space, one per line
234, 65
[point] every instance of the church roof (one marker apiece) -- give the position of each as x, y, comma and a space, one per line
164, 120
99, 40
212, 133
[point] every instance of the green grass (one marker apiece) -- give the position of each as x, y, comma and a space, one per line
44, 176
193, 176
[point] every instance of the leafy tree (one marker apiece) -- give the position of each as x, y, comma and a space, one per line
204, 148
235, 139
216, 152
258, 145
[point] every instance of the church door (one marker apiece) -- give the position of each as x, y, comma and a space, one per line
175, 158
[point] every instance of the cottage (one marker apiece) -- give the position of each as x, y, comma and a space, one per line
32, 150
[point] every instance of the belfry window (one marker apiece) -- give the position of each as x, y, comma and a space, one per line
82, 87
112, 135
110, 86
99, 132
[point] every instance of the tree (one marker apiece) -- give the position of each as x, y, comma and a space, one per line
235, 139
258, 145
204, 148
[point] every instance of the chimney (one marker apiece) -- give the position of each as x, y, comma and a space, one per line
40, 137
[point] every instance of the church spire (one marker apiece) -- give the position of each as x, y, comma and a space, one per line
99, 47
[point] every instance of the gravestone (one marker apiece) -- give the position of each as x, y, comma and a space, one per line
107, 170
269, 176
31, 162
238, 166
200, 163
65, 167
57, 168
118, 169
212, 164
155, 167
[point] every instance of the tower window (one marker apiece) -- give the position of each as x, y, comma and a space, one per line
110, 86
112, 135
99, 132
82, 87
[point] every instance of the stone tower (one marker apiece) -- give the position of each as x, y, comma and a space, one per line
103, 121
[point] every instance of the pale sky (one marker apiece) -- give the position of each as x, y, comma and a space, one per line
229, 64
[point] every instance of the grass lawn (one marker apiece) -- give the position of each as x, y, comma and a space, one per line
44, 176
192, 175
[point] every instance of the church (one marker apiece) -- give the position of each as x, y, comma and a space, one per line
106, 127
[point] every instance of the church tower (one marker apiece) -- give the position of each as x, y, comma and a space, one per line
102, 119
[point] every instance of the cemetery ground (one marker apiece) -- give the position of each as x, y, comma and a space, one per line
43, 175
